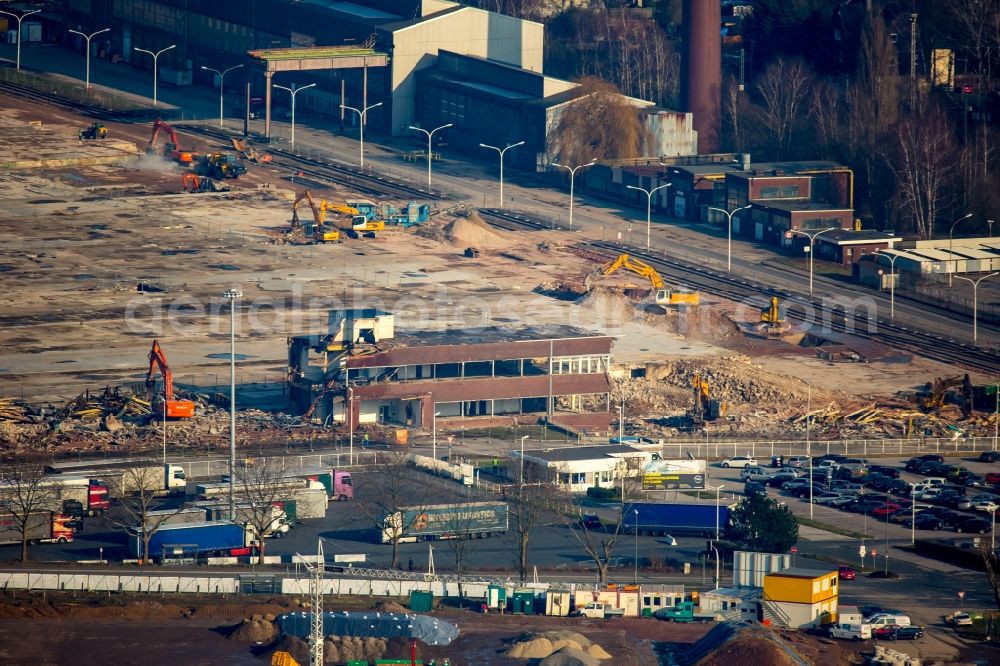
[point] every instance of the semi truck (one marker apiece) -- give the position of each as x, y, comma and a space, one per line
338, 483
41, 527
189, 540
75, 497
211, 510
127, 477
471, 520
662, 519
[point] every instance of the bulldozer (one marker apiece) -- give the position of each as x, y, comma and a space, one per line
664, 296
95, 131
319, 230
705, 407
220, 166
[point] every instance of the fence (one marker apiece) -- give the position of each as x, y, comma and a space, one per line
862, 448
206, 469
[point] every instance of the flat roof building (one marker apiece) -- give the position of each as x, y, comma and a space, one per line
580, 467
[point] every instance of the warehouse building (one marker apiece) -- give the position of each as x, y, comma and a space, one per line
365, 371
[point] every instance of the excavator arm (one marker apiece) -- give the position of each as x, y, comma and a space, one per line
158, 361
319, 212
638, 267
160, 126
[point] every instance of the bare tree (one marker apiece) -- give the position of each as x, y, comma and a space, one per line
261, 486
599, 542
735, 110
398, 487
600, 124
26, 497
992, 563
138, 490
783, 90
529, 501
922, 159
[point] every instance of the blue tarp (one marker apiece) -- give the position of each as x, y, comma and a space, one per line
427, 630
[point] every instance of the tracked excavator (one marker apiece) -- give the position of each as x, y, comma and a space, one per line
773, 318
705, 407
175, 408
662, 295
170, 149
932, 398
319, 230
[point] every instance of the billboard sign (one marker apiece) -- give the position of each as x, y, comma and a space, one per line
675, 475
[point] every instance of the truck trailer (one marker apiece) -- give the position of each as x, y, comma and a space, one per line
339, 484
127, 477
71, 496
206, 539
662, 519
471, 520
42, 527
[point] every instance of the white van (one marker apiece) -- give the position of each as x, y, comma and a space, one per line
930, 482
888, 621
851, 632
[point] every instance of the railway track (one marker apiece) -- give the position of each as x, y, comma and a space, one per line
831, 315
362, 182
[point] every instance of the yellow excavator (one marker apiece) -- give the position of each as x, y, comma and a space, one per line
933, 397
773, 318
705, 407
319, 230
663, 296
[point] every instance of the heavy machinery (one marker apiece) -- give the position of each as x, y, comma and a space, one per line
662, 295
774, 319
175, 408
171, 149
95, 131
932, 398
319, 230
220, 166
249, 153
705, 408
193, 183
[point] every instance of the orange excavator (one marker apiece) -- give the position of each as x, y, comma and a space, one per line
171, 148
177, 409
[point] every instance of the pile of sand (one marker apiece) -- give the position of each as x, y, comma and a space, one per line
337, 649
390, 607
472, 231
565, 648
259, 629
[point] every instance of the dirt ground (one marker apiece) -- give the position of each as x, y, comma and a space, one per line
101, 259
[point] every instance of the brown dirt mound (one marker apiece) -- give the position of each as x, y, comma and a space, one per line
337, 649
748, 650
472, 231
298, 648
390, 607
256, 630
570, 657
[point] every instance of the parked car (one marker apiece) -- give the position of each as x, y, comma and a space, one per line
926, 466
894, 633
739, 461
983, 497
993, 478
782, 476
881, 482
891, 472
989, 456
793, 484
925, 521
842, 486
866, 506
959, 619
844, 501
914, 464
825, 498
974, 481
974, 526
928, 495
845, 572
754, 473
986, 506
590, 521
885, 510
831, 465
798, 462
956, 472
948, 517
955, 502
901, 488
853, 468
754, 488
872, 611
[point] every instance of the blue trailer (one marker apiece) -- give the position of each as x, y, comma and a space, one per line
662, 518
205, 539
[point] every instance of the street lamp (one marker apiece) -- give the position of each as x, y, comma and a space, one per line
522, 457
156, 57
572, 177
362, 114
430, 135
649, 204
621, 421
434, 435
635, 561
975, 301
729, 233
993, 530
88, 37
294, 91
502, 152
892, 282
232, 295
19, 19
222, 78
812, 240
809, 395
350, 425
951, 239
717, 563
718, 489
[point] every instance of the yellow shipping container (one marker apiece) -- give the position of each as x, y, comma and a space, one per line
801, 586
